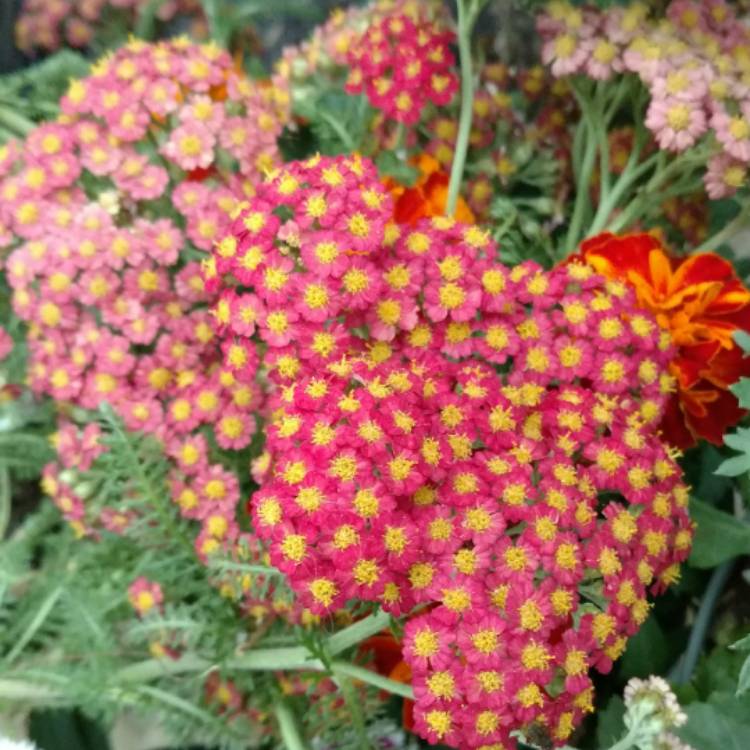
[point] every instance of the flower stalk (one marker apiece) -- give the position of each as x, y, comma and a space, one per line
468, 12
288, 728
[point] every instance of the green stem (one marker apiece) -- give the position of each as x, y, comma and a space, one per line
601, 135
343, 134
647, 201
683, 670
290, 733
582, 198
262, 659
372, 678
28, 692
630, 174
467, 15
626, 742
33, 627
649, 197
728, 232
596, 142
5, 502
294, 657
620, 94
358, 632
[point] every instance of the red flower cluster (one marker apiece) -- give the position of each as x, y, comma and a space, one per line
402, 63
456, 434
305, 245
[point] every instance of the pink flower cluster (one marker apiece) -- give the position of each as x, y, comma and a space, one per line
306, 244
110, 211
474, 441
46, 25
402, 64
693, 63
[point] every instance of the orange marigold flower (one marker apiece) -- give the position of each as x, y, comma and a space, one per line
387, 660
701, 302
428, 196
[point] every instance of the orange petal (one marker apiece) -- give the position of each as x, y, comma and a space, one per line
660, 271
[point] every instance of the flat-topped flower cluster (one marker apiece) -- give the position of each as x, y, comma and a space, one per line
402, 64
693, 62
449, 434
108, 212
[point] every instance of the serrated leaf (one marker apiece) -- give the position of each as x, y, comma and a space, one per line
742, 645
718, 536
741, 389
742, 338
739, 440
734, 467
610, 727
717, 726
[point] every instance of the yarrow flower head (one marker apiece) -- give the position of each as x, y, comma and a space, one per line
110, 210
651, 710
472, 438
699, 301
403, 62
693, 63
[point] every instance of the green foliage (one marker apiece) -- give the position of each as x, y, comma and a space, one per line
339, 122
391, 165
721, 724
743, 681
69, 636
699, 466
719, 536
647, 652
32, 94
738, 440
609, 725
25, 422
226, 18
519, 232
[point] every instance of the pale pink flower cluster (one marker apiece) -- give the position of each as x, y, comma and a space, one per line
694, 63
108, 212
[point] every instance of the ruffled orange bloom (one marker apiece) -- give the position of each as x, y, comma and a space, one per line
701, 302
428, 196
